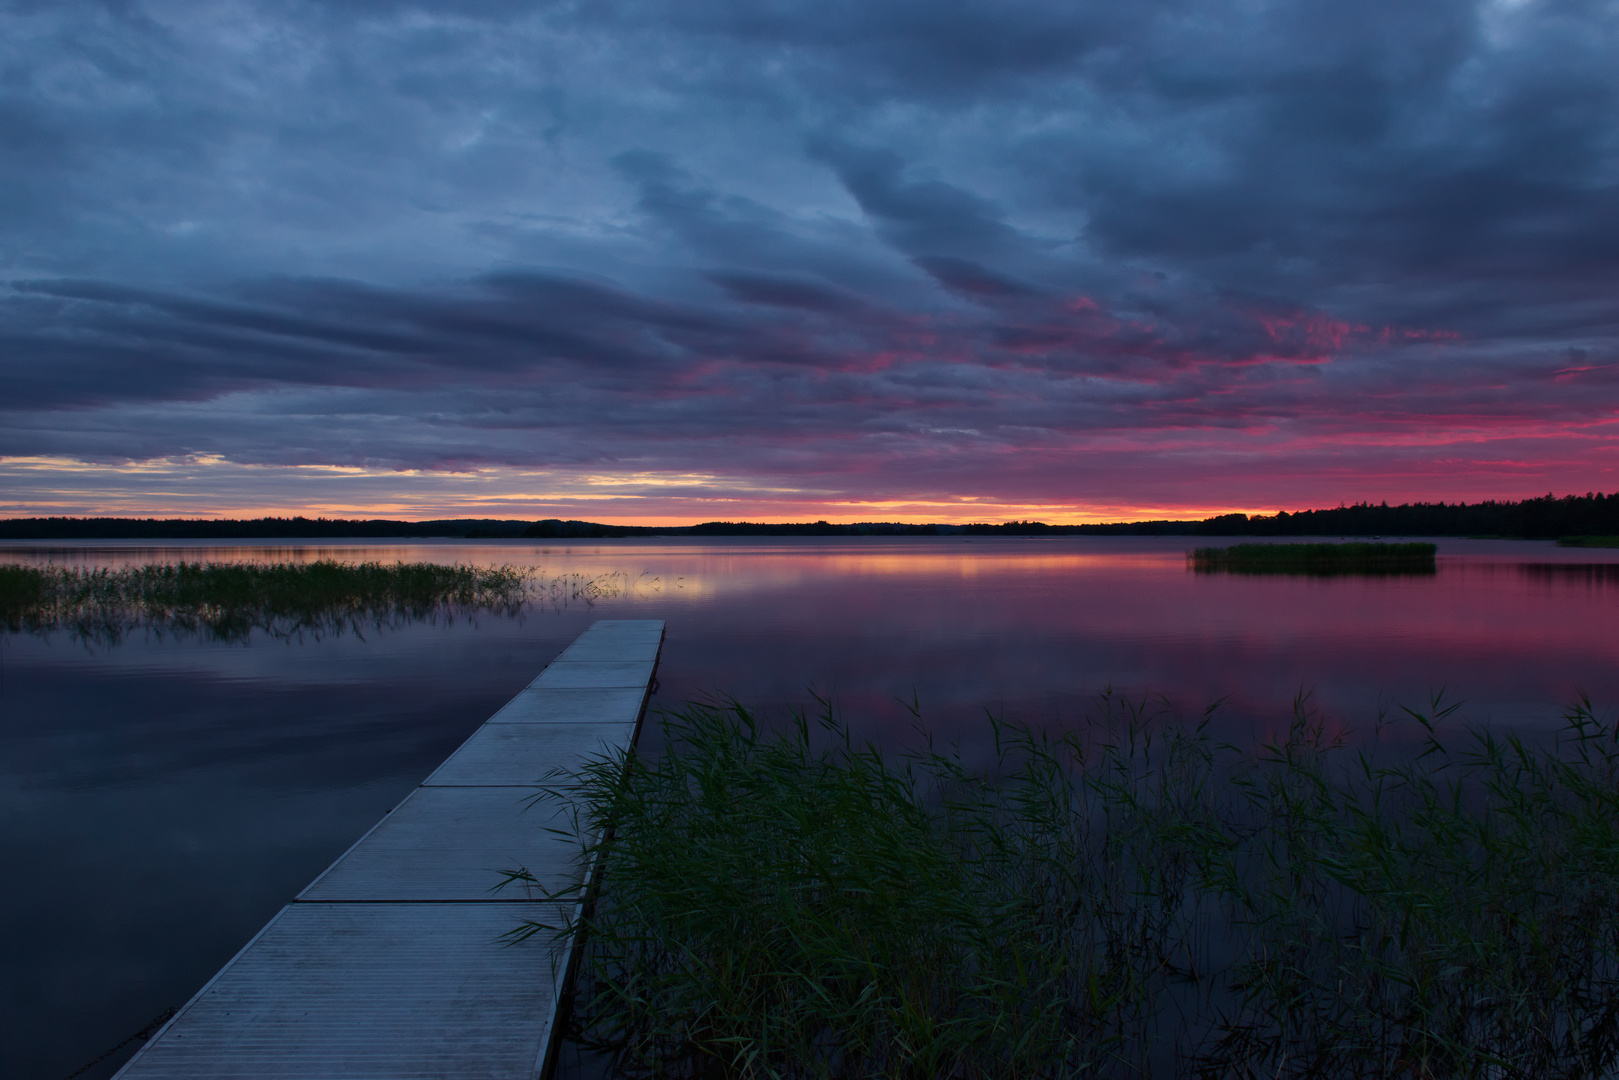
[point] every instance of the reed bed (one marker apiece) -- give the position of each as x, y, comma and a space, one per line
1133, 900
1321, 559
230, 601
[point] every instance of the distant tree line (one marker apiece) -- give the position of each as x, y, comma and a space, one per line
112, 528
1541, 518
1547, 517
821, 528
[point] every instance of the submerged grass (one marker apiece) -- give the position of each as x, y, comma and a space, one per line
229, 601
787, 903
1350, 558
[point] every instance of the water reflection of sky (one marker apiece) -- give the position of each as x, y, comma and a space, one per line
162, 797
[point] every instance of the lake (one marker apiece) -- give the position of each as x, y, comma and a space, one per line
161, 797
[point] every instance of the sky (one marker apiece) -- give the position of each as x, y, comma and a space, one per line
909, 260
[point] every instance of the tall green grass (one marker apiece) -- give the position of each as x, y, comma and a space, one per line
1321, 559
229, 601
1136, 900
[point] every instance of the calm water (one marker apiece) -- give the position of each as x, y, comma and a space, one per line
161, 798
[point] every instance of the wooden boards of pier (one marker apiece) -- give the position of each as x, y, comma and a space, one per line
391, 964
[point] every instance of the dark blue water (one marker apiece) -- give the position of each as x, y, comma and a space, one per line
161, 798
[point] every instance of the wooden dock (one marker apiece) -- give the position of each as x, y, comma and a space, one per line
391, 964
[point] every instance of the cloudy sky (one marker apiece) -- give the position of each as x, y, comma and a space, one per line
774, 259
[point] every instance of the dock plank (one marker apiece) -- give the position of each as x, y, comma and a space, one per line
450, 843
367, 992
623, 627
635, 650
524, 754
565, 674
565, 705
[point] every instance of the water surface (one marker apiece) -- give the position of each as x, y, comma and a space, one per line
162, 797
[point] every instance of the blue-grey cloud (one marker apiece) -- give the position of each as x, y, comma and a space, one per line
1032, 246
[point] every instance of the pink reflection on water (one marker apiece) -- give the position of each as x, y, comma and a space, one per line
1033, 629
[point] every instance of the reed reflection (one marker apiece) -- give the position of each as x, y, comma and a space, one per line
1572, 573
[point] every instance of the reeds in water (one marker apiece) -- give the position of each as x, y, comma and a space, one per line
1316, 559
229, 601
787, 903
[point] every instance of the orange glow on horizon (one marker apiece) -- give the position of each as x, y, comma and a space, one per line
874, 515
210, 488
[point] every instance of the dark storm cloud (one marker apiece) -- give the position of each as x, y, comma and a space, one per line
971, 278
924, 217
886, 242
782, 291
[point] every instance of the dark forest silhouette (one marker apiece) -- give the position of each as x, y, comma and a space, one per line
1547, 517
